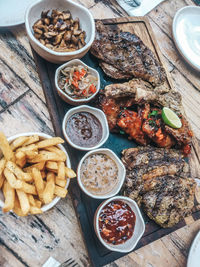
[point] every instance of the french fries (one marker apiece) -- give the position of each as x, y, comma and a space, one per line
5, 147
32, 173
9, 194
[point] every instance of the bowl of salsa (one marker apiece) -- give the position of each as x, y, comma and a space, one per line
76, 83
118, 224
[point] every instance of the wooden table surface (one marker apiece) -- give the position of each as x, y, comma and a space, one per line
30, 241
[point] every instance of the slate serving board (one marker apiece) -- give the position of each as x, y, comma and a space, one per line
85, 207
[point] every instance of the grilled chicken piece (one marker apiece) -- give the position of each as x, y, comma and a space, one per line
112, 108
158, 179
128, 54
131, 123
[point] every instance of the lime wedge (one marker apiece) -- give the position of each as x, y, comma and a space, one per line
170, 118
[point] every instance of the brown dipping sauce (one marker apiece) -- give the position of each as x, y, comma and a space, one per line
84, 129
116, 222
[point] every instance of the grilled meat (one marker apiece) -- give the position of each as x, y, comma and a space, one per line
131, 123
159, 180
126, 53
112, 107
113, 72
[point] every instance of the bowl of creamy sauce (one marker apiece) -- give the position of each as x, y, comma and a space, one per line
101, 173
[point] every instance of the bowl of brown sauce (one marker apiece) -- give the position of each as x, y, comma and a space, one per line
85, 128
118, 224
100, 173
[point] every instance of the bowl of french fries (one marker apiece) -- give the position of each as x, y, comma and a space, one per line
35, 172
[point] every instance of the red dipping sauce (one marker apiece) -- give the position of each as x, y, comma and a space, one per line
116, 222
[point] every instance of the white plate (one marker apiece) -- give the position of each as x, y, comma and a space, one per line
186, 33
12, 12
194, 254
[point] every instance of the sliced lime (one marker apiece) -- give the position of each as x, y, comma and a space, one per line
170, 118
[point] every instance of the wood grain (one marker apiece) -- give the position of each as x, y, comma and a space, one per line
16, 55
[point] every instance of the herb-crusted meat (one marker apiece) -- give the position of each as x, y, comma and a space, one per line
127, 55
159, 180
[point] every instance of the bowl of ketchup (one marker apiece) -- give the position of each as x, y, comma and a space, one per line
118, 224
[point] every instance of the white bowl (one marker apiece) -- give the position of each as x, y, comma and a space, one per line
139, 229
121, 173
66, 97
87, 24
42, 136
98, 114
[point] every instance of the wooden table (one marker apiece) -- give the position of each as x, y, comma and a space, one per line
30, 241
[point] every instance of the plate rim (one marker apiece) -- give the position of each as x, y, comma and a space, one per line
174, 26
191, 249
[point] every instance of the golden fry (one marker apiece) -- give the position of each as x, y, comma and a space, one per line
18, 142
35, 210
50, 142
17, 209
31, 147
5, 147
61, 170
70, 173
39, 184
49, 188
23, 200
60, 191
2, 165
38, 203
52, 166
2, 179
9, 194
43, 173
57, 150
28, 188
31, 154
31, 139
39, 166
31, 200
11, 166
20, 159
10, 177
61, 183
46, 156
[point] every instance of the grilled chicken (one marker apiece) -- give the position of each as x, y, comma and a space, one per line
127, 56
158, 179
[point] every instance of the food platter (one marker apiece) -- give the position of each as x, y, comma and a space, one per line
86, 208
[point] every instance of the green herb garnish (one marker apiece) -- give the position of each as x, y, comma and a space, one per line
154, 113
152, 123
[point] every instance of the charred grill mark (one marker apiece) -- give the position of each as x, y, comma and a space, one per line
34, 238
2, 243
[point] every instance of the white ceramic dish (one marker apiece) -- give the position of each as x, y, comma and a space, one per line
66, 97
87, 24
194, 254
42, 136
13, 12
186, 34
98, 114
130, 244
121, 173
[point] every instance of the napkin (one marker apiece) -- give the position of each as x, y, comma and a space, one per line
145, 7
51, 262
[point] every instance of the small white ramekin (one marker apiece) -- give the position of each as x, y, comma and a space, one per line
98, 114
45, 207
121, 173
138, 232
65, 96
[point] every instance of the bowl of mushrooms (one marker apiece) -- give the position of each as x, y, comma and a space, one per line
59, 30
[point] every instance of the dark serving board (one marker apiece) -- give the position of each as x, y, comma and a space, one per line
84, 205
